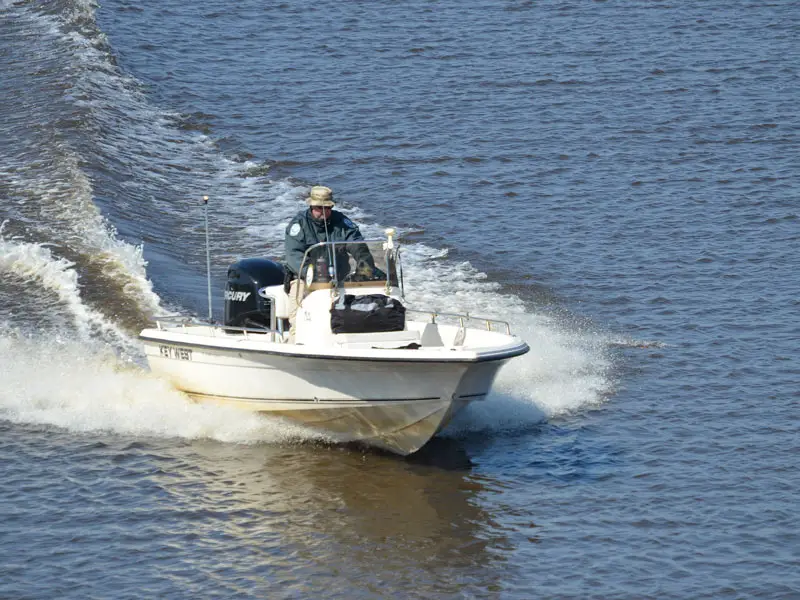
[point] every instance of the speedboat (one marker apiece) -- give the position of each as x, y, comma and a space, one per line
336, 350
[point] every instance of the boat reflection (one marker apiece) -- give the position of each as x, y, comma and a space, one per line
367, 517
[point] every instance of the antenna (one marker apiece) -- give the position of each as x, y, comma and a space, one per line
208, 260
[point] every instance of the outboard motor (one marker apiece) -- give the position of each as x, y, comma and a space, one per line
244, 306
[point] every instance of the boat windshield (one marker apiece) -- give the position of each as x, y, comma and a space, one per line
351, 262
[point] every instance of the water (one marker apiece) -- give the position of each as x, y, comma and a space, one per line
616, 181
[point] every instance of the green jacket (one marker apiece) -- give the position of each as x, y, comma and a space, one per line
303, 232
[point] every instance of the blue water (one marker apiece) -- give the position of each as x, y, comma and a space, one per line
616, 180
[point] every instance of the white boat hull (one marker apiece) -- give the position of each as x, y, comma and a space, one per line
391, 399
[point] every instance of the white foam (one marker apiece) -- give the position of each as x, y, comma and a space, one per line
36, 263
84, 387
566, 369
79, 10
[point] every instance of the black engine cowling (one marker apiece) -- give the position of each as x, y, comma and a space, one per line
244, 306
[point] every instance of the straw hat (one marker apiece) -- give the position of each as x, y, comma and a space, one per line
320, 196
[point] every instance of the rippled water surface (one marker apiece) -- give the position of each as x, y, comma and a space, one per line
618, 181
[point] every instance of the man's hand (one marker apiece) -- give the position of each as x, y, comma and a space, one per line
367, 272
364, 270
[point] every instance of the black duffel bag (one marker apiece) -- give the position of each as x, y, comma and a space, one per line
367, 314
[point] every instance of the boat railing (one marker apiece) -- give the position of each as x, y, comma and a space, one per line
215, 328
490, 324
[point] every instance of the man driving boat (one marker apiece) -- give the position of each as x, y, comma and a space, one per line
320, 223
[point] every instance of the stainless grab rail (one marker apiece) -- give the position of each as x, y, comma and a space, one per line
434, 314
214, 327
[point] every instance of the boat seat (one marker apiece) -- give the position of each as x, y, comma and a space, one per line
282, 306
280, 300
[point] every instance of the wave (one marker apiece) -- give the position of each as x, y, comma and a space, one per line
86, 389
51, 285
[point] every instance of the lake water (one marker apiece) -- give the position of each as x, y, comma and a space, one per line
617, 180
